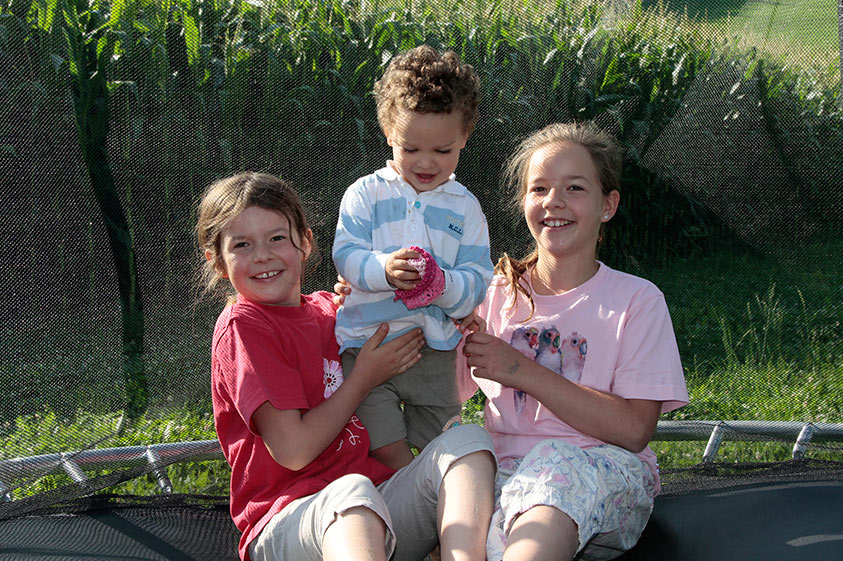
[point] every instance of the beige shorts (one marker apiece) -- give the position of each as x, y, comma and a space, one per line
406, 503
415, 405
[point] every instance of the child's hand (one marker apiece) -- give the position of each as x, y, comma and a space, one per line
341, 290
399, 272
377, 362
472, 323
493, 358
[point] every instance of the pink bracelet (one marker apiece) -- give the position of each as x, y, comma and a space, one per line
431, 285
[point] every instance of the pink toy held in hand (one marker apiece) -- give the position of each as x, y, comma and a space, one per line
431, 285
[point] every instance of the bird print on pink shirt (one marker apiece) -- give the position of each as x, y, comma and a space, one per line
525, 339
548, 352
573, 349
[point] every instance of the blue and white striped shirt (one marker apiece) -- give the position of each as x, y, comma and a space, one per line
381, 213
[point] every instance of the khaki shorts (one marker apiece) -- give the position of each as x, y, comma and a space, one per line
415, 405
406, 503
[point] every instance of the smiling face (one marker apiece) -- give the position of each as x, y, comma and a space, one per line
260, 256
564, 203
426, 147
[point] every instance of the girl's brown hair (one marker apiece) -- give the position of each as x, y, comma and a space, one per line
425, 81
608, 159
225, 199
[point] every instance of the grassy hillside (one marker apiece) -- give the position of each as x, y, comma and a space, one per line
799, 31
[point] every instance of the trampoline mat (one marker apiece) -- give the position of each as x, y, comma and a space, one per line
789, 520
146, 533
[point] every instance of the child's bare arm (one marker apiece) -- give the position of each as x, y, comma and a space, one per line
628, 423
294, 439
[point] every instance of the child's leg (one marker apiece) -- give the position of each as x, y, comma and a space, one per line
431, 400
357, 533
395, 455
383, 418
465, 507
447, 489
597, 500
319, 525
543, 532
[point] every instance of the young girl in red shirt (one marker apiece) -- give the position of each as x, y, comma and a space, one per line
303, 485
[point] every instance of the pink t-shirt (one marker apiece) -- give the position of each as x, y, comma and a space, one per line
287, 356
612, 333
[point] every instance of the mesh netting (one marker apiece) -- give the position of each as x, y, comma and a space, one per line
115, 116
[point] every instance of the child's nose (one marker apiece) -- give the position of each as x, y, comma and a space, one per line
426, 161
261, 252
555, 197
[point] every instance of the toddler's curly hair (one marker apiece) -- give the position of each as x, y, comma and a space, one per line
427, 81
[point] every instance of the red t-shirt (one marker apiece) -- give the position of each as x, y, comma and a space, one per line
289, 357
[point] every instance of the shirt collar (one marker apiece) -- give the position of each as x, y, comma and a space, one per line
451, 186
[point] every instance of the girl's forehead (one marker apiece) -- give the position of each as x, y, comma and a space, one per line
567, 157
256, 217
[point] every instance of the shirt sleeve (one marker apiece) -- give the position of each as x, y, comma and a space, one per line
255, 370
466, 283
353, 253
649, 366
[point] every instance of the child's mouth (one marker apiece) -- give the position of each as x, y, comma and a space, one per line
425, 177
555, 222
267, 275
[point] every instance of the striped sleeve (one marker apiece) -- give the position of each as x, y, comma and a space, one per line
353, 253
466, 283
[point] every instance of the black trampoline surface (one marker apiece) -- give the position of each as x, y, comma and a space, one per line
771, 521
107, 531
776, 521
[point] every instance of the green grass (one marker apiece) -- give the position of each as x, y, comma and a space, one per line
738, 307
803, 32
247, 87
44, 432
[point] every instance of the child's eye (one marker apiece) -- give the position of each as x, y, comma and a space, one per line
239, 245
410, 150
576, 188
447, 151
537, 189
278, 238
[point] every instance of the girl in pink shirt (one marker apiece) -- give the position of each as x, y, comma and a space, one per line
577, 363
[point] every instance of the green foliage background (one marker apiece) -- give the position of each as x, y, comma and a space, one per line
195, 90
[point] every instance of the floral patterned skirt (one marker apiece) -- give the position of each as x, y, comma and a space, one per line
607, 491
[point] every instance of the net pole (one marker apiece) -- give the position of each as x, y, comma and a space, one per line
840, 50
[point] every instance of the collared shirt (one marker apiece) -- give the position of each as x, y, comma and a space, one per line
381, 213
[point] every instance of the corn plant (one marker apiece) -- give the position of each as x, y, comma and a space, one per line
197, 89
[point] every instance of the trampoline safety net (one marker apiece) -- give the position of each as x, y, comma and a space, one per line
115, 115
